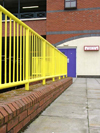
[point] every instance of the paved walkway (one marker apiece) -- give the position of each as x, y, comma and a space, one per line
77, 110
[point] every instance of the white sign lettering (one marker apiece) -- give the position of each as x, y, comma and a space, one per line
91, 48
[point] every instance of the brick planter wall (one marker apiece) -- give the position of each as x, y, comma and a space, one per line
17, 114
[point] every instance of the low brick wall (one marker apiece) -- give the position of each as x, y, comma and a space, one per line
15, 115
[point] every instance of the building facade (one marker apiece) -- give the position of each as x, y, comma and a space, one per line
70, 25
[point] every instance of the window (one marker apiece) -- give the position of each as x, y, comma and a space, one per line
1, 2
70, 4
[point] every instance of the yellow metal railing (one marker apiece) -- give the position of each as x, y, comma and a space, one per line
25, 56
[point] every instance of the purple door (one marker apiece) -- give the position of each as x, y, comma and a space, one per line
71, 55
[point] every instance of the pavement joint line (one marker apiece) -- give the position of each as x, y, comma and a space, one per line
69, 103
95, 127
97, 81
87, 108
94, 98
77, 95
56, 116
72, 103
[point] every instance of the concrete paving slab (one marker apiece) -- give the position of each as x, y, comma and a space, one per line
78, 85
92, 81
77, 110
94, 118
93, 87
74, 89
94, 103
94, 96
95, 91
66, 110
72, 100
94, 130
75, 93
93, 84
98, 80
80, 81
46, 124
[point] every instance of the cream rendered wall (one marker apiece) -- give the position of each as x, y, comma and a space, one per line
87, 62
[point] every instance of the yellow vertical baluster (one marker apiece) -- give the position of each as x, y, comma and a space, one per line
47, 60
14, 52
60, 59
27, 59
36, 57
66, 66
41, 56
56, 62
0, 47
29, 55
17, 50
20, 52
10, 52
32, 56
5, 48
44, 56
63, 64
23, 53
53, 63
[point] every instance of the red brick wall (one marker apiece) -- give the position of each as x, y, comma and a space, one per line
17, 114
57, 38
37, 25
71, 20
59, 4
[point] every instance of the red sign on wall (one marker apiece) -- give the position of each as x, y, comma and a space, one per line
91, 48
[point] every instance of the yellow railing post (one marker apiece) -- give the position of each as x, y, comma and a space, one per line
5, 48
60, 60
53, 65
44, 54
10, 34
63, 67
27, 59
0, 46
66, 67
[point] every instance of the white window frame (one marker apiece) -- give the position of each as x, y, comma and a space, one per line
70, 2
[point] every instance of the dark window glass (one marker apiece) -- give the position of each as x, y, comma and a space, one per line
40, 5
25, 8
1, 2
11, 5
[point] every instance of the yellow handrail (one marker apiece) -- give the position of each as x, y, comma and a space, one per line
25, 56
